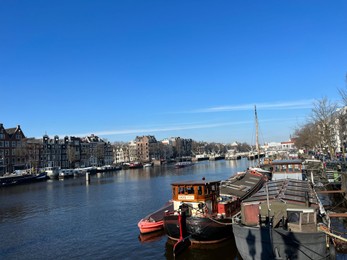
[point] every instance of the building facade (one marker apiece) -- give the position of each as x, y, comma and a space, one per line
12, 156
147, 148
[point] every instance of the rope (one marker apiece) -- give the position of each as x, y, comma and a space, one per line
325, 230
222, 223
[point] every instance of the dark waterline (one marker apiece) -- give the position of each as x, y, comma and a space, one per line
70, 219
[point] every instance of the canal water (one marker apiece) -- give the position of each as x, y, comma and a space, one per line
63, 219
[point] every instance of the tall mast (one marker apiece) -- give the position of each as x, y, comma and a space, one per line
256, 134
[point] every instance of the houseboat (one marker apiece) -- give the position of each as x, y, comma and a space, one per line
204, 210
283, 220
20, 177
288, 169
52, 172
183, 164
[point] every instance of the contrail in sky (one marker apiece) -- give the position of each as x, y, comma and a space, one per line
177, 127
264, 106
164, 129
301, 104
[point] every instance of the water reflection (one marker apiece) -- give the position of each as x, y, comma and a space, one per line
226, 250
151, 237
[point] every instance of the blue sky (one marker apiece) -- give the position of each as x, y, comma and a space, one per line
193, 69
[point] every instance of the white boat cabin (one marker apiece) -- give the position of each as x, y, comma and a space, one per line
196, 197
287, 169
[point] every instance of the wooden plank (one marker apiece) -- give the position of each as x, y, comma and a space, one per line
329, 191
337, 215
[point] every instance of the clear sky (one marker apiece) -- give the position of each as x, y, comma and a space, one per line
193, 69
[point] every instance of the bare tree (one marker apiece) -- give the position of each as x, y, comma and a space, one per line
324, 116
307, 136
342, 129
100, 153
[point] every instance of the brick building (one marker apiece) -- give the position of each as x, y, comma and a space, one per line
11, 155
147, 147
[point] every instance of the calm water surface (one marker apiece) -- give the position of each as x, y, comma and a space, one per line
70, 219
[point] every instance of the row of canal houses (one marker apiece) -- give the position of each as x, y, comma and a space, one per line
19, 152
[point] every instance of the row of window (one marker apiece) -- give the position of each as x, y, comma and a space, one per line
7, 152
13, 160
2, 136
8, 143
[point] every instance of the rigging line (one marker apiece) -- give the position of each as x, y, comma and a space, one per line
226, 224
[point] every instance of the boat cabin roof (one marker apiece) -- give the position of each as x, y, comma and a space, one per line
288, 191
194, 182
240, 185
286, 162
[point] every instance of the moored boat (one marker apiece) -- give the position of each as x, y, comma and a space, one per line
66, 173
21, 177
52, 172
135, 165
204, 210
154, 221
183, 164
108, 168
282, 221
288, 169
147, 165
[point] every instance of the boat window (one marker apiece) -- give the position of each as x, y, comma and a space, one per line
213, 187
199, 190
308, 218
173, 192
297, 167
189, 190
293, 217
181, 190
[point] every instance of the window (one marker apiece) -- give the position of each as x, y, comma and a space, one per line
2, 136
199, 190
181, 190
7, 144
14, 143
190, 190
1, 143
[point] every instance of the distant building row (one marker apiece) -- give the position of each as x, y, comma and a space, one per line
19, 152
